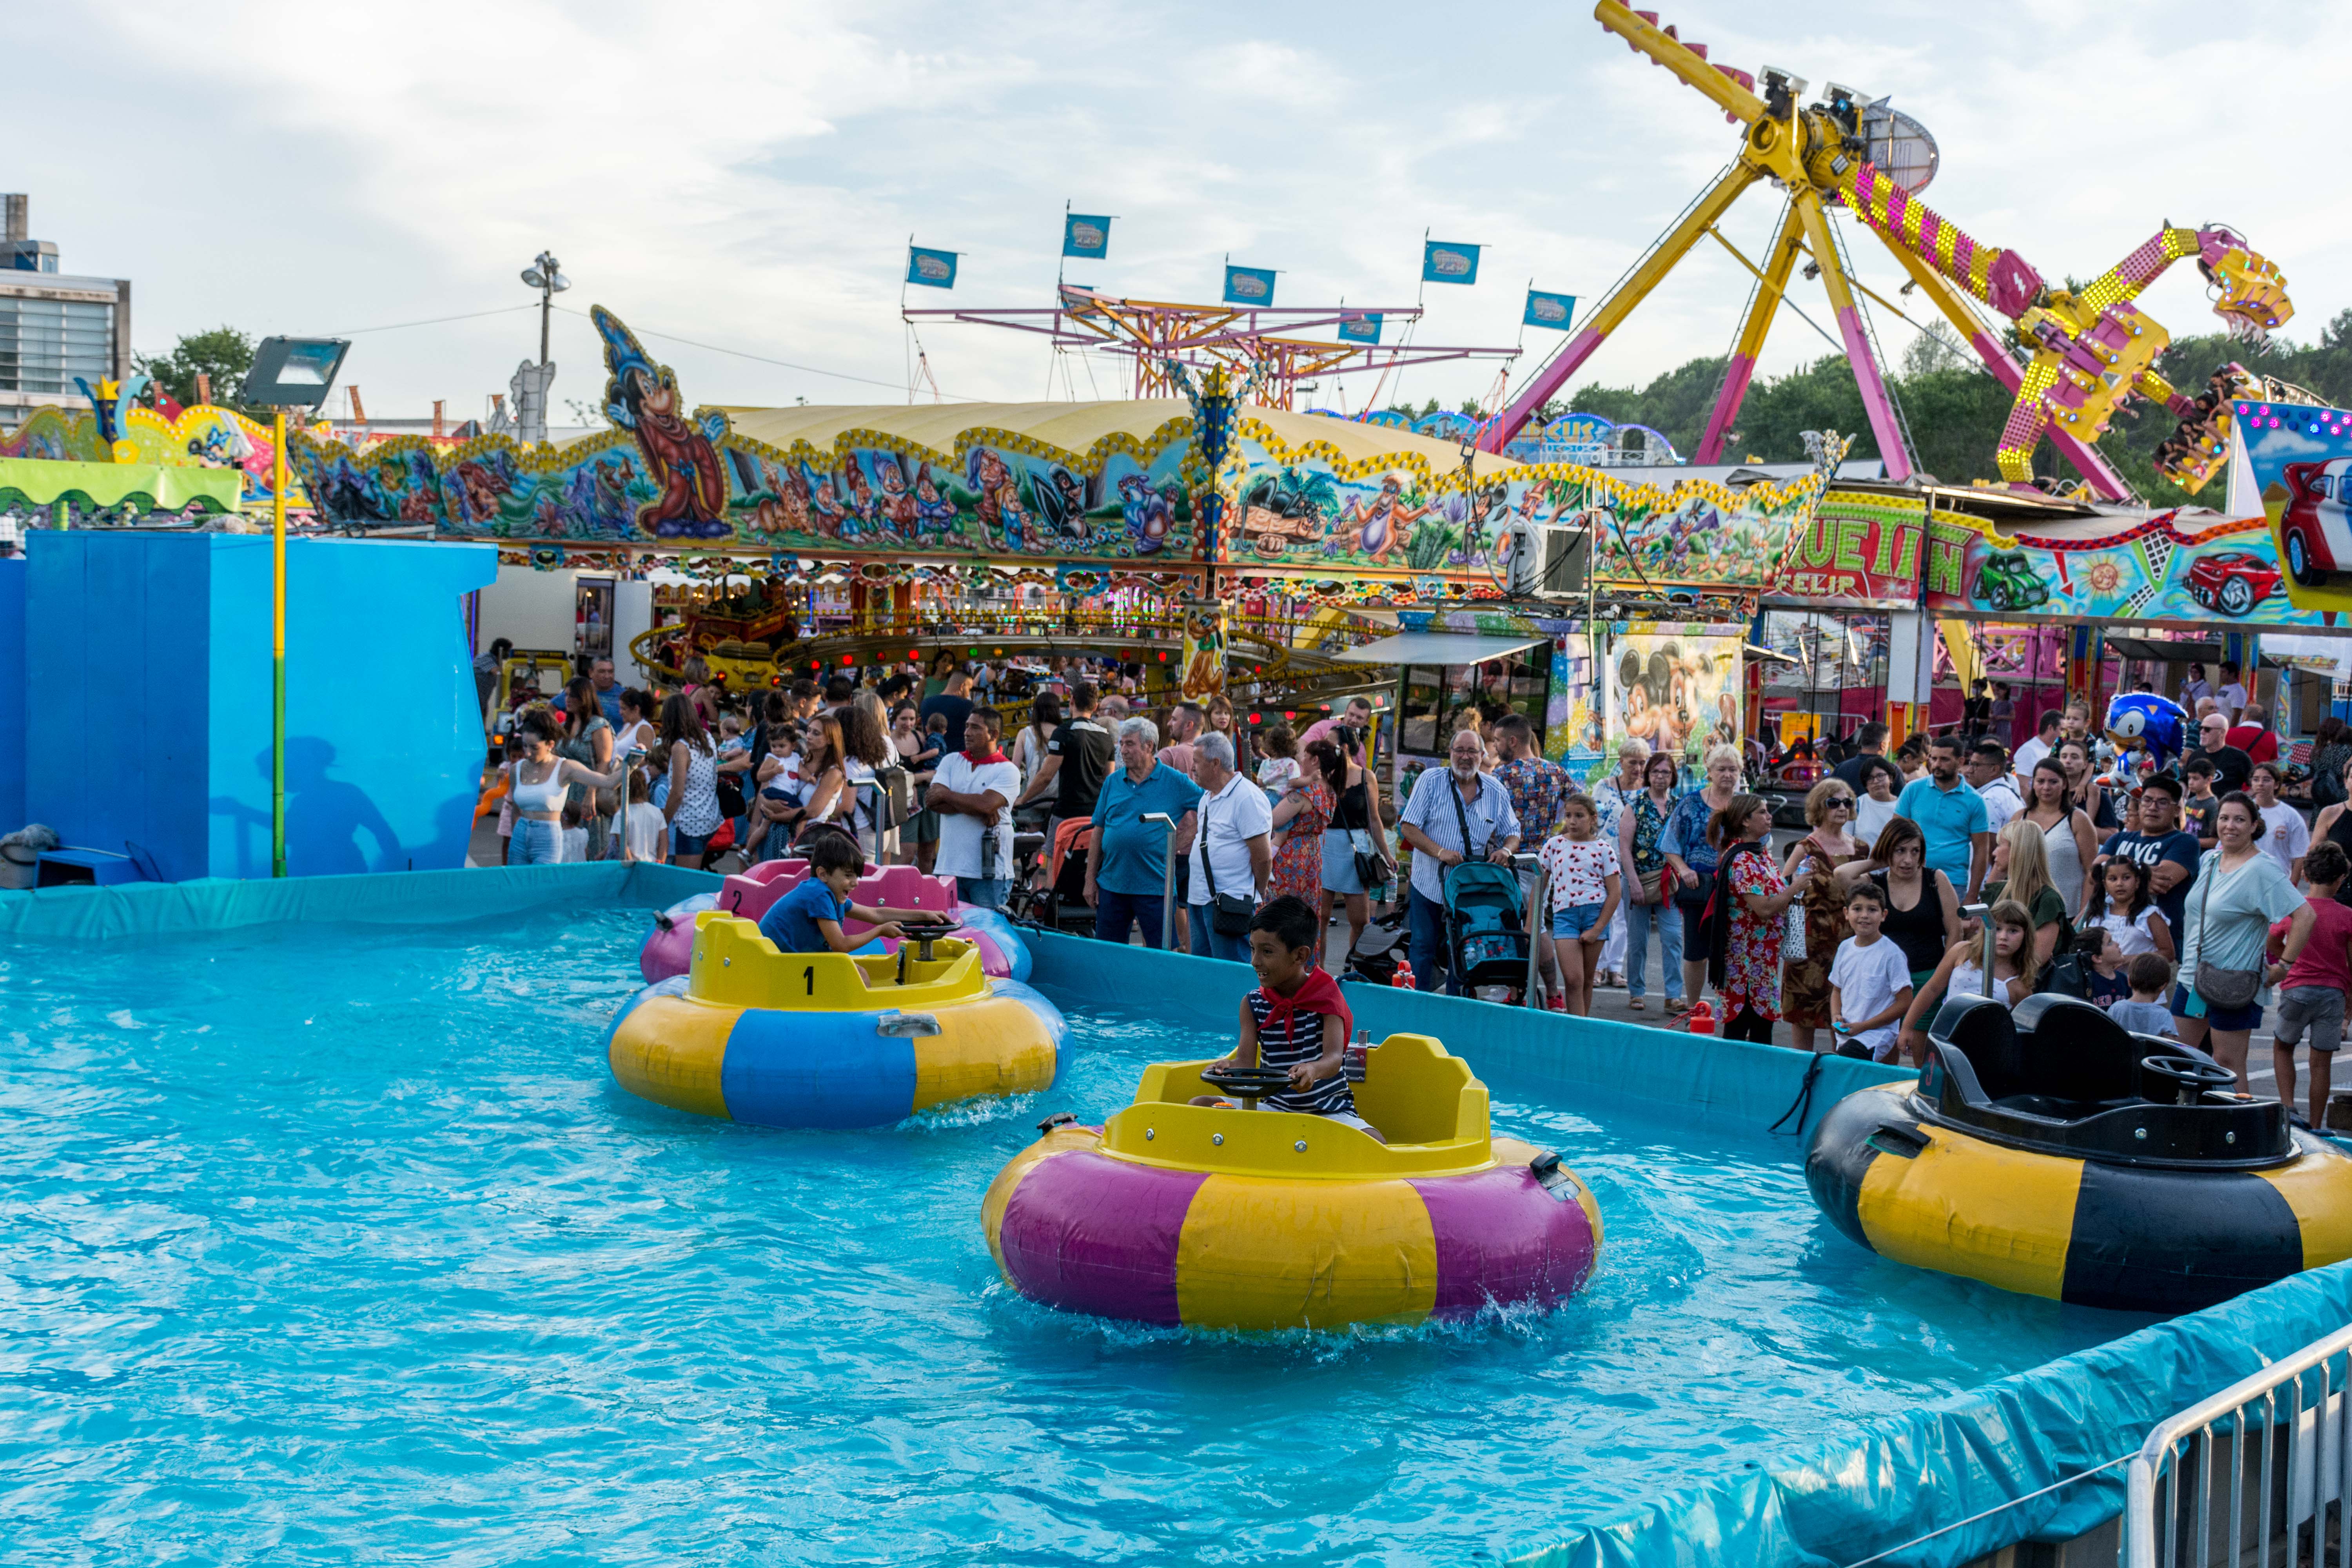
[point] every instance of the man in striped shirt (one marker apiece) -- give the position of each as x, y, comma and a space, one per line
1296, 1021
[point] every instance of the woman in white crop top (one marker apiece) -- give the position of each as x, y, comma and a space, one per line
542, 779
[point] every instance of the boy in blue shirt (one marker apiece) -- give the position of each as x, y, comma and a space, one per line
809, 917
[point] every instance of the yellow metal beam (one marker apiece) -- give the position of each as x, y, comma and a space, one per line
1676, 57
1653, 270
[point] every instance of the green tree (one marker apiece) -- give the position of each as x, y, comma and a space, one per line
223, 353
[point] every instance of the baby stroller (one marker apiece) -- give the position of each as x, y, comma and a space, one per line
1487, 939
1374, 955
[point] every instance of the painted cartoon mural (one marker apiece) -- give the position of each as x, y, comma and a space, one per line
665, 475
1310, 507
1677, 687
2172, 567
200, 437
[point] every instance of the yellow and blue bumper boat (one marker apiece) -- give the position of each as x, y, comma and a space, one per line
1235, 1217
2053, 1153
825, 1039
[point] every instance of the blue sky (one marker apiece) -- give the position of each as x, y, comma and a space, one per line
747, 175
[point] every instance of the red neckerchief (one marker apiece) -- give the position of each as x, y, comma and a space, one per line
980, 762
1318, 992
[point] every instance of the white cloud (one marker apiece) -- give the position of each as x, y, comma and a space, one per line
747, 174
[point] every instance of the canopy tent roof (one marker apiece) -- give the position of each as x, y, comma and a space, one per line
1077, 427
1439, 648
39, 482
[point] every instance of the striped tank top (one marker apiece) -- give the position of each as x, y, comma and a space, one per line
1297, 1036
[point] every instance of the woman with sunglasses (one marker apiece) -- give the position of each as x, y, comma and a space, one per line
1828, 845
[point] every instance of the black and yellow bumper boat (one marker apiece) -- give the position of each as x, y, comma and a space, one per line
2051, 1152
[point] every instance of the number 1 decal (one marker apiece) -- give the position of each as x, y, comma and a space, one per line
809, 975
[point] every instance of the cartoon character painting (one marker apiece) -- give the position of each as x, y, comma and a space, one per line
896, 507
1147, 514
1380, 525
934, 513
2143, 721
989, 476
642, 397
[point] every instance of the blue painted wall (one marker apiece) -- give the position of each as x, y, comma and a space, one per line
12, 573
149, 681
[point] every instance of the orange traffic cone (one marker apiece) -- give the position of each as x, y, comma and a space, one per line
1700, 1020
1403, 976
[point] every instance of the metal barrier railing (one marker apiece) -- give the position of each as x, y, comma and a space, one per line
2280, 1434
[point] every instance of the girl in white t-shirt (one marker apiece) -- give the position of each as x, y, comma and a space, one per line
2129, 914
645, 834
1581, 870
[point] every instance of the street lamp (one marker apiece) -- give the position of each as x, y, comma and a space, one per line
287, 373
532, 385
543, 275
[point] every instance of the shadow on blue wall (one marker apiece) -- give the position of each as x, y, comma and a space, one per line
333, 825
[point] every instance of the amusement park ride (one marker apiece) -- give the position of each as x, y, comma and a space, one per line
2088, 350
1158, 336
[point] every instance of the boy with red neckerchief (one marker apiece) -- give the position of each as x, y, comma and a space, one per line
973, 790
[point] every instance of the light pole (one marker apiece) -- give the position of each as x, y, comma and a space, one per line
287, 373
531, 387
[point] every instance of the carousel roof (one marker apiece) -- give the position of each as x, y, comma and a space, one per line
1075, 428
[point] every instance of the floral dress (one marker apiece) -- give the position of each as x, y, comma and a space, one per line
1751, 969
1298, 864
1805, 984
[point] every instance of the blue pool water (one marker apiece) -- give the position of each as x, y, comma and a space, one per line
337, 1243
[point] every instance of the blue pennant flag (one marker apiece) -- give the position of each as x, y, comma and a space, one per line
1086, 236
1445, 263
1249, 285
1363, 327
931, 269
1553, 310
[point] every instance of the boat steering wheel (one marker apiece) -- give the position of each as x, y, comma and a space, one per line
1248, 1085
2189, 1079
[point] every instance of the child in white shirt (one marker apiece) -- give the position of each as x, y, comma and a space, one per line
1279, 773
645, 832
1870, 979
575, 835
1581, 868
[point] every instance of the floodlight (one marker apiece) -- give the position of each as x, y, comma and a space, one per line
532, 276
294, 373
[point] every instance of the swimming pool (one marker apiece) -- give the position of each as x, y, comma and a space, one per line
327, 1241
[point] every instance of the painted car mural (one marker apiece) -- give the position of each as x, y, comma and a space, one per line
2179, 565
2232, 581
2300, 455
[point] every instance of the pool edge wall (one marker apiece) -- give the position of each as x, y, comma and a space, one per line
1888, 1481
391, 898
1719, 1084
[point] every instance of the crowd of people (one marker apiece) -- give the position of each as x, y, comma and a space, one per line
2199, 893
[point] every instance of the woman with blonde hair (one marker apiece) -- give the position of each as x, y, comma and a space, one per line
1691, 859
2021, 873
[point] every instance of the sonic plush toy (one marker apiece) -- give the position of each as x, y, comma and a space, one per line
2143, 720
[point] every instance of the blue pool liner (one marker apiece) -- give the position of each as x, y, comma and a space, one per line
1888, 1482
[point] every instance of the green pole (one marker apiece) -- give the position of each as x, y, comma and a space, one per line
278, 649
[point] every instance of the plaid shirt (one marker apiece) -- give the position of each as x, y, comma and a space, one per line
1536, 786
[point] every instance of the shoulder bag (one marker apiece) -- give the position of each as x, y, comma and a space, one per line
1229, 913
2226, 988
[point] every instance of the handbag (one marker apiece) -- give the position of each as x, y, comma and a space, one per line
1653, 884
1792, 926
2224, 988
1229, 913
1372, 868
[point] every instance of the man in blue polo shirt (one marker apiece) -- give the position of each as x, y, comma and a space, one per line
1952, 817
1127, 861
